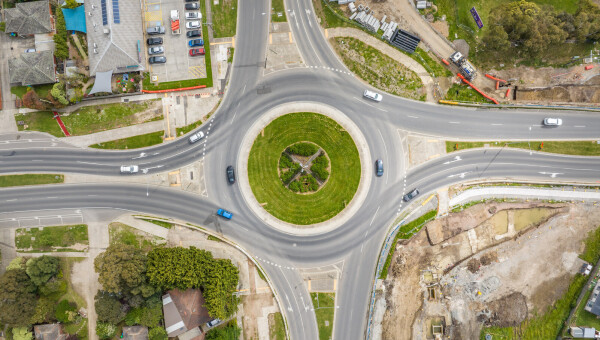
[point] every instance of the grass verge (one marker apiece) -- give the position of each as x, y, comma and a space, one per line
30, 179
324, 304
278, 11
579, 148
464, 93
123, 234
304, 208
58, 238
276, 327
134, 142
185, 129
159, 223
224, 18
430, 63
328, 16
406, 231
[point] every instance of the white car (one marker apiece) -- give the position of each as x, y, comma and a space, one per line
373, 95
156, 50
192, 24
213, 323
129, 169
193, 15
552, 121
196, 137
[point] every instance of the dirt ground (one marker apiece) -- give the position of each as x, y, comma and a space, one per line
474, 268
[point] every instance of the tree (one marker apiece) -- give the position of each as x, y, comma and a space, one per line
122, 270
61, 49
32, 100
58, 93
44, 311
230, 332
105, 330
151, 314
65, 311
16, 263
497, 39
17, 298
108, 308
72, 4
157, 333
41, 269
22, 333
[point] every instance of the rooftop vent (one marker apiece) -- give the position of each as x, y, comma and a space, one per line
95, 51
106, 31
90, 13
95, 45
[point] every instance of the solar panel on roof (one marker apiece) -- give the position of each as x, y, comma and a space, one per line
104, 14
116, 15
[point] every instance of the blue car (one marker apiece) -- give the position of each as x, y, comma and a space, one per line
224, 213
196, 42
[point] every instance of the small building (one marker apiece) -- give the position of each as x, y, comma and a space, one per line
28, 18
593, 303
173, 322
586, 269
51, 331
32, 68
135, 333
583, 332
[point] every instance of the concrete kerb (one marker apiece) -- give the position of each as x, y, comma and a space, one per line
364, 155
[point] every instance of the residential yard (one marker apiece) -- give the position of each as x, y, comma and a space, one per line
134, 142
278, 11
276, 327
579, 148
224, 17
41, 90
30, 179
80, 325
94, 118
123, 234
378, 69
58, 238
324, 304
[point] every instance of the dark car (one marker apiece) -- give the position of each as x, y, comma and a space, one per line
196, 52
230, 175
410, 195
379, 167
154, 41
196, 42
157, 60
190, 0
194, 33
192, 6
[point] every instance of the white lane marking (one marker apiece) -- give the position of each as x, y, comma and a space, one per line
415, 117
12, 200
94, 163
37, 160
579, 126
373, 106
244, 90
361, 247
373, 219
497, 124
52, 197
454, 122
236, 110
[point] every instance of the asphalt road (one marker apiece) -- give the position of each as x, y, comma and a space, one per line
357, 242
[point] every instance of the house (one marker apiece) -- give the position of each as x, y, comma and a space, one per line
593, 303
28, 18
173, 322
135, 333
188, 308
115, 36
583, 332
586, 269
49, 332
32, 68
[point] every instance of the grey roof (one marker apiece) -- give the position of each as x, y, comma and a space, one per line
32, 68
135, 333
28, 18
116, 44
49, 332
173, 322
583, 332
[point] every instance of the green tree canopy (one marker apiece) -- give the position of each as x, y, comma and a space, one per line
41, 269
109, 308
22, 333
17, 298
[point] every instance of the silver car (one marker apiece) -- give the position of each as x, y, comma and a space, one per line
192, 24
552, 121
372, 95
156, 50
196, 137
129, 169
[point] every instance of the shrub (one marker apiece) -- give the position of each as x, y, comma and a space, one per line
133, 317
285, 161
41, 269
44, 311
303, 149
63, 311
61, 50
105, 330
58, 92
16, 263
108, 308
157, 333
53, 289
294, 186
22, 333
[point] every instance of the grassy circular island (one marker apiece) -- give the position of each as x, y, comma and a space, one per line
265, 170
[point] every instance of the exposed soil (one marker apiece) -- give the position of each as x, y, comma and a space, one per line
508, 311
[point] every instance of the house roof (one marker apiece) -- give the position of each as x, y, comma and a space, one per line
32, 68
49, 332
135, 333
28, 18
173, 322
114, 34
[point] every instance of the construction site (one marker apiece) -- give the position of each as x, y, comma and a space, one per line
491, 264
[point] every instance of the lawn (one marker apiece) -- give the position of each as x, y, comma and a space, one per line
278, 8
378, 69
406, 231
276, 327
41, 90
123, 234
39, 121
30, 179
324, 304
58, 238
281, 202
583, 317
224, 18
579, 148
134, 142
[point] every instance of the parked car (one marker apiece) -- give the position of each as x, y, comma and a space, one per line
193, 15
191, 6
129, 169
224, 213
190, 0
372, 95
194, 33
552, 121
156, 50
30, 50
192, 24
230, 175
379, 167
410, 195
157, 60
213, 323
196, 42
194, 52
154, 41
196, 137
155, 30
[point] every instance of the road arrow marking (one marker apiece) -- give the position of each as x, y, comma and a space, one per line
552, 174
456, 159
461, 175
142, 155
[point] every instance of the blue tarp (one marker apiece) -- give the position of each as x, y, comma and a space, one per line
75, 19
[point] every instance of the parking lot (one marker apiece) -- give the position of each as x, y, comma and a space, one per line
179, 65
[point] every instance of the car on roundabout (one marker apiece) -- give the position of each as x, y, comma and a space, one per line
196, 137
224, 213
372, 95
412, 194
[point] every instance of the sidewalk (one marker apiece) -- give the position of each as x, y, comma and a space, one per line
108, 135
523, 193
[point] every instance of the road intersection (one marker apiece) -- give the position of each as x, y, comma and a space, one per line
356, 242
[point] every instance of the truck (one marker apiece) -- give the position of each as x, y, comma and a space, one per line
175, 27
466, 68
